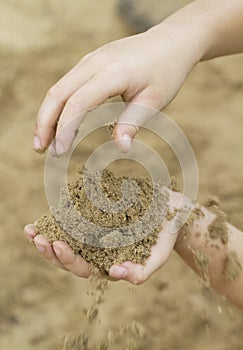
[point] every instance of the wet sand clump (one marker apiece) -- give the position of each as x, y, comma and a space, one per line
115, 221
232, 267
202, 262
212, 201
218, 228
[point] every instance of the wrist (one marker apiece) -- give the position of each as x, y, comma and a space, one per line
190, 30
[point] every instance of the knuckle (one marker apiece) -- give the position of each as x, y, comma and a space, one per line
41, 126
133, 128
39, 123
129, 127
68, 261
64, 261
55, 92
115, 68
74, 101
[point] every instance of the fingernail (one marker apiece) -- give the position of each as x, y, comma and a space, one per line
126, 143
29, 230
57, 250
40, 247
30, 236
118, 271
37, 144
59, 148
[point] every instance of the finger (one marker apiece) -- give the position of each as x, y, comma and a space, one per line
29, 231
128, 271
118, 272
73, 262
45, 248
54, 102
137, 273
140, 109
49, 253
98, 89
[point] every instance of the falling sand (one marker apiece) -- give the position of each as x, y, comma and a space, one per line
115, 220
127, 334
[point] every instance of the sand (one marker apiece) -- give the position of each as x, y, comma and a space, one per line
104, 234
202, 262
101, 234
218, 228
232, 267
128, 333
218, 233
40, 305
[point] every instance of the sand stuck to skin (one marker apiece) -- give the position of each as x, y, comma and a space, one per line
232, 267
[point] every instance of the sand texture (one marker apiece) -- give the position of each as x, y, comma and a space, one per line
40, 305
232, 267
101, 235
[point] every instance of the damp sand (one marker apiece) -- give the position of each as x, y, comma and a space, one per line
201, 260
92, 228
232, 267
217, 230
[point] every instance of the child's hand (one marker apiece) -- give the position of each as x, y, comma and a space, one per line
146, 69
61, 255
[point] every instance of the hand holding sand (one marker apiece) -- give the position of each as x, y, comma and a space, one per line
207, 243
61, 255
147, 69
150, 246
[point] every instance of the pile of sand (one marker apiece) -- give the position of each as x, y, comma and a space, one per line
109, 220
101, 235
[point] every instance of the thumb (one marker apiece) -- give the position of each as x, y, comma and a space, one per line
131, 120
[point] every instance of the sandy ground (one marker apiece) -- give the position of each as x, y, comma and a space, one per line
39, 304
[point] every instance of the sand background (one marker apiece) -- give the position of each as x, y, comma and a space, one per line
39, 304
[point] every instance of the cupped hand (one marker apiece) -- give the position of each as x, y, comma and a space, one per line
145, 69
61, 255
